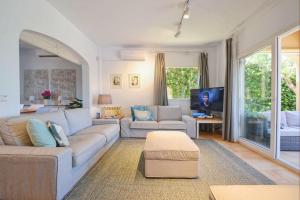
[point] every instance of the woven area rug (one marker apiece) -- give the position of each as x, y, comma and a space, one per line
119, 174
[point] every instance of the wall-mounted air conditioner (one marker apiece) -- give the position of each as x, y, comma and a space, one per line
132, 55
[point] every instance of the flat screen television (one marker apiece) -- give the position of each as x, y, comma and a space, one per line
207, 100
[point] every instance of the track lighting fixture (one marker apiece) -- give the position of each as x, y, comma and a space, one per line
185, 15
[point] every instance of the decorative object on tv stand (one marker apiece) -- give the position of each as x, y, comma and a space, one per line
116, 81
134, 80
76, 103
107, 110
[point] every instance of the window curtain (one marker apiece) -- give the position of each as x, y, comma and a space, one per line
160, 81
230, 115
203, 81
203, 71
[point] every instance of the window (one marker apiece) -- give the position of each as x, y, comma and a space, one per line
180, 80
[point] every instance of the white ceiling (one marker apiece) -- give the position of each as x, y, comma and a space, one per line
153, 22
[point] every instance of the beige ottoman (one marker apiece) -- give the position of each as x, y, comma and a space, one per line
171, 154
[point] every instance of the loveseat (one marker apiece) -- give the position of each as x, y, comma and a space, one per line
28, 172
164, 118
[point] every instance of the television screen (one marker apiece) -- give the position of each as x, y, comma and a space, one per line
207, 99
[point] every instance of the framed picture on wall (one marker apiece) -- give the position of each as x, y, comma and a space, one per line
134, 81
116, 81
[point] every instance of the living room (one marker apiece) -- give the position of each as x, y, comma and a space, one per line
185, 99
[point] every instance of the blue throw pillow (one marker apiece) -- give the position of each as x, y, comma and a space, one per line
136, 107
143, 115
39, 134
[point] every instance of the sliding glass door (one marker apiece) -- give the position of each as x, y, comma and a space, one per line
288, 117
256, 97
269, 105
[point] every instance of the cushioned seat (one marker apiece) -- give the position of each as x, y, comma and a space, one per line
290, 131
144, 125
110, 131
170, 145
85, 147
172, 125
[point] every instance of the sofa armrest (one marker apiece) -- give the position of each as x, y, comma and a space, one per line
190, 125
105, 121
35, 172
125, 126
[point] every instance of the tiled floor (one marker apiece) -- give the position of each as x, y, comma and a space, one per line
271, 169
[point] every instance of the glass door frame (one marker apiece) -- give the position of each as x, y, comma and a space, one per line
269, 152
278, 94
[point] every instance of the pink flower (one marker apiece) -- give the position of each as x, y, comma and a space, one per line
46, 94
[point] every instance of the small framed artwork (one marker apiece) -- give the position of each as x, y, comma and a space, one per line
116, 81
134, 80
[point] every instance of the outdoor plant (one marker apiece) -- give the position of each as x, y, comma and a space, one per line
181, 80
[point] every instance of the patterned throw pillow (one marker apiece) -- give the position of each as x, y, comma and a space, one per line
136, 107
58, 134
143, 115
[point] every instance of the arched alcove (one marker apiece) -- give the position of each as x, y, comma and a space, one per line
59, 79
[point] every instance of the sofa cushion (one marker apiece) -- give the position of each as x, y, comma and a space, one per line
13, 131
110, 131
168, 113
289, 131
172, 125
85, 146
293, 118
78, 119
56, 117
39, 134
153, 109
144, 125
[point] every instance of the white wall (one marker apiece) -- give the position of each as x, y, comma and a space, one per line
42, 17
30, 60
266, 24
111, 64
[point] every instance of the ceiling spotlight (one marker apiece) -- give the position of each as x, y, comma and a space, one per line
186, 15
186, 11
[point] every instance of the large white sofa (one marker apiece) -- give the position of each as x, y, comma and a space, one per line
165, 118
28, 172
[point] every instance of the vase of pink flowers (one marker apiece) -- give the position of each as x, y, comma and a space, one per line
46, 96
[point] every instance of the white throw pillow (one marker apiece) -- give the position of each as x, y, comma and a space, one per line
58, 133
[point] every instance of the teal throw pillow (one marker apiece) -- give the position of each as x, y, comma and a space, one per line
136, 107
143, 115
39, 134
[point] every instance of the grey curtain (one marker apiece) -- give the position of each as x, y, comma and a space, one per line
203, 71
227, 115
160, 81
